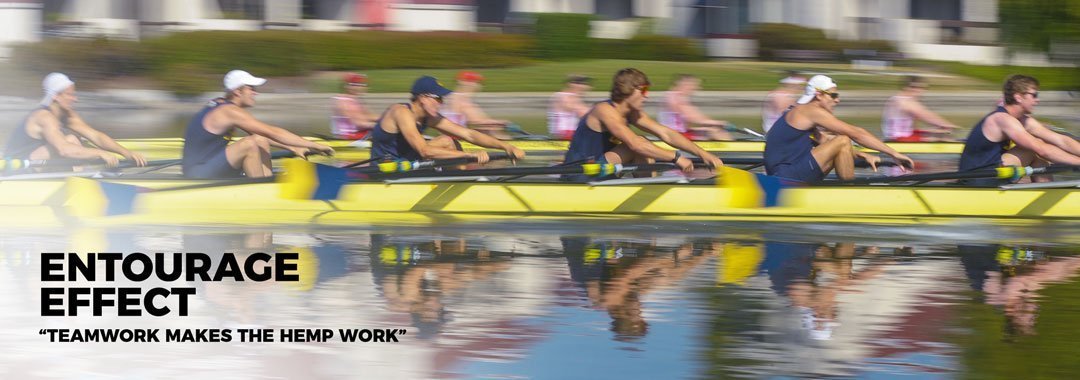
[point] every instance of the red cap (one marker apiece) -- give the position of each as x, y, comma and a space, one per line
354, 78
470, 76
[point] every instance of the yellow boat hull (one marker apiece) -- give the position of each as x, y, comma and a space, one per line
46, 203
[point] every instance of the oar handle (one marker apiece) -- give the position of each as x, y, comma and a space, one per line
409, 166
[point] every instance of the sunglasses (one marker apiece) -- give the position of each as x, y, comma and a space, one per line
1033, 94
433, 96
644, 90
834, 95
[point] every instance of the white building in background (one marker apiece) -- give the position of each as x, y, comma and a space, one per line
960, 30
20, 21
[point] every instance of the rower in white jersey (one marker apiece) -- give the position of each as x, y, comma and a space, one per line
682, 116
567, 107
780, 99
904, 109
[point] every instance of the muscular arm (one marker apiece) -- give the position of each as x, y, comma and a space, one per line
831, 123
920, 112
472, 136
405, 122
243, 120
692, 114
620, 130
50, 132
1061, 141
668, 135
474, 114
99, 139
356, 113
1019, 135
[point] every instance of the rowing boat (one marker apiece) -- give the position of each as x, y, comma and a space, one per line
160, 148
49, 202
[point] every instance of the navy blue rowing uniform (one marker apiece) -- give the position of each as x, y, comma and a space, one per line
981, 153
204, 152
787, 152
587, 144
21, 145
393, 146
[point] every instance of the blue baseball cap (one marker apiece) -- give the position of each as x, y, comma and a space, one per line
429, 85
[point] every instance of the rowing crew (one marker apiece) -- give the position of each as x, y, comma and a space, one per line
805, 143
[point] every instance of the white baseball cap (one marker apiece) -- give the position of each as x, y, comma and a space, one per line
53, 84
817, 83
239, 78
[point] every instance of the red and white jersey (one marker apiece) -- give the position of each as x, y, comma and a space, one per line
896, 123
669, 117
561, 121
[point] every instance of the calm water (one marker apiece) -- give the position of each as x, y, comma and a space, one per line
563, 301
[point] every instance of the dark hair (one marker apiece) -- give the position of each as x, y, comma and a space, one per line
625, 82
914, 80
578, 79
1018, 84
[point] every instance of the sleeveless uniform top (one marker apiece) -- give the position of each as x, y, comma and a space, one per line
341, 126
393, 145
20, 145
561, 122
669, 118
895, 123
786, 146
588, 144
980, 153
199, 144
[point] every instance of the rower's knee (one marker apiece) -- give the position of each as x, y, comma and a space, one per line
260, 141
72, 139
842, 140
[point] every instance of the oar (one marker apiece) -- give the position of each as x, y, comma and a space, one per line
755, 161
514, 128
305, 180
15, 164
733, 128
571, 163
1006, 172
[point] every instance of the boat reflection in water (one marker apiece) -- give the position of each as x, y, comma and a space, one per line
509, 304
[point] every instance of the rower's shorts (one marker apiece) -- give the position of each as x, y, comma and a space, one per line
216, 167
805, 169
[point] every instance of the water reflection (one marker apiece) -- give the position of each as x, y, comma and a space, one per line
507, 304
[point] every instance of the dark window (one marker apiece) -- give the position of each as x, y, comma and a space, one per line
241, 9
719, 17
614, 9
492, 11
935, 9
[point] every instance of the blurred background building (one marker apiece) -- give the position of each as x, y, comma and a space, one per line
960, 30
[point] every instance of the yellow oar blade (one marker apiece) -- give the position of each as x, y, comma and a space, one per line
306, 180
752, 190
91, 198
739, 262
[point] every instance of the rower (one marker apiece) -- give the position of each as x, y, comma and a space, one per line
988, 144
904, 109
207, 149
604, 135
567, 108
780, 99
351, 120
789, 146
54, 129
682, 116
398, 134
461, 110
